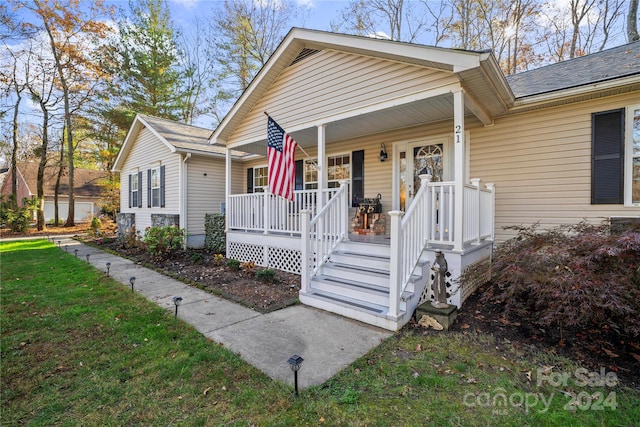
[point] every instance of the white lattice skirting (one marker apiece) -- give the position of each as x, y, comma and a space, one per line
266, 256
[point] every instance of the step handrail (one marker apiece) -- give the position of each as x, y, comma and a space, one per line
409, 234
322, 233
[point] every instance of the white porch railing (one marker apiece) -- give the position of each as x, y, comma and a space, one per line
322, 233
267, 212
430, 220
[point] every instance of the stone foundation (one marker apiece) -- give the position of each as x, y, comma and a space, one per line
125, 221
165, 220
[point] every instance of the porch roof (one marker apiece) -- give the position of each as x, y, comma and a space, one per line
477, 72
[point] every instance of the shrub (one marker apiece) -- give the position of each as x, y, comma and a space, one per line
95, 226
215, 237
162, 241
580, 277
197, 258
132, 239
233, 264
266, 275
218, 259
18, 218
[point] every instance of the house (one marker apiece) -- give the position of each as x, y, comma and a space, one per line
87, 191
171, 175
409, 149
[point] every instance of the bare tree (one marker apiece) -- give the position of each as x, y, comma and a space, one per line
41, 86
632, 22
248, 32
70, 29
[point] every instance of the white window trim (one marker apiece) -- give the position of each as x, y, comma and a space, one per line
158, 188
628, 155
260, 188
135, 202
345, 154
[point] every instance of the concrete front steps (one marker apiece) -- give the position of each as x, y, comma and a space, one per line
355, 282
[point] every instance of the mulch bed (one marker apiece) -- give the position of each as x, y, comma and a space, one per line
200, 268
593, 350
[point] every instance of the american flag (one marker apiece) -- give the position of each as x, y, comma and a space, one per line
281, 150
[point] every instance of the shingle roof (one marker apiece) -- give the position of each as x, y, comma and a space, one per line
85, 181
183, 136
609, 64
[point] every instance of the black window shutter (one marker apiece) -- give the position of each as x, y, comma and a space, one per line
357, 178
249, 180
130, 190
148, 188
162, 186
299, 183
607, 157
140, 189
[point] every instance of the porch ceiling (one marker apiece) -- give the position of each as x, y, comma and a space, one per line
416, 113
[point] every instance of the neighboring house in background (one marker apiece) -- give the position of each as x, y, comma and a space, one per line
171, 175
87, 192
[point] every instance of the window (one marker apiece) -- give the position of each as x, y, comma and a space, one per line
260, 178
155, 187
134, 190
632, 166
615, 157
338, 168
310, 174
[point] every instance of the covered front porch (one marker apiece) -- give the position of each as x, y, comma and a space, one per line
401, 135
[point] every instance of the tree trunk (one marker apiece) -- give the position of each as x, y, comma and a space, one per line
14, 151
56, 190
632, 22
43, 163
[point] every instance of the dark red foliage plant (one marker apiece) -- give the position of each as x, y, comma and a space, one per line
581, 277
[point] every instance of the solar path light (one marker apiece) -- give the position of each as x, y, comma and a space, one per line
177, 301
132, 280
295, 362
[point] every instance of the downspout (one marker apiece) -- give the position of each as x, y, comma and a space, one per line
183, 195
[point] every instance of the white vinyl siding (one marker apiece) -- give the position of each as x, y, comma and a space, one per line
147, 153
330, 83
205, 188
541, 165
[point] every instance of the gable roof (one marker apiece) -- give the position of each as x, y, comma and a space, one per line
85, 181
477, 69
615, 63
177, 137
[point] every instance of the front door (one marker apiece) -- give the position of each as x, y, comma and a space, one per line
415, 159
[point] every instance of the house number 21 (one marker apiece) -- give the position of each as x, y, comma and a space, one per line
458, 133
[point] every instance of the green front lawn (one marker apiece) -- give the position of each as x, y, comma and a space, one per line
80, 349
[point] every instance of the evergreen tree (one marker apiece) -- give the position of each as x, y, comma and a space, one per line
144, 60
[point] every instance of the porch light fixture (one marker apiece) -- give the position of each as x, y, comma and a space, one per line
132, 280
108, 268
76, 252
177, 301
383, 152
88, 257
295, 362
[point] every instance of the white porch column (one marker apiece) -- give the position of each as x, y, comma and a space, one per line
227, 187
459, 169
322, 173
395, 267
306, 251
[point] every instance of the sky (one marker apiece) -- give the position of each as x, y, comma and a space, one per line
320, 12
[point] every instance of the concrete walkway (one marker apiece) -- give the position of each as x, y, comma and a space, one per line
327, 342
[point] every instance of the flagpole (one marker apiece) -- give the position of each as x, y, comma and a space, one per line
301, 149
